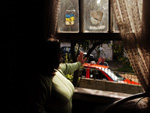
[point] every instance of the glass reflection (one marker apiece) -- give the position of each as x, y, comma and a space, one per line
95, 16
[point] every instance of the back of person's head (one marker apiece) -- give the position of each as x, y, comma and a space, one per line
46, 56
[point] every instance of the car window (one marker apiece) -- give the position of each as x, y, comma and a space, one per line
119, 76
97, 74
83, 72
114, 76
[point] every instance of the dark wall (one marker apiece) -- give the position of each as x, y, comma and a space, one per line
22, 24
24, 19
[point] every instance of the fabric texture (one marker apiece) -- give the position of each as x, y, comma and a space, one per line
129, 17
53, 95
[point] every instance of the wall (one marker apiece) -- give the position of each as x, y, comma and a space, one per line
110, 86
22, 23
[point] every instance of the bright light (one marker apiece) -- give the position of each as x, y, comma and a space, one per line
98, 1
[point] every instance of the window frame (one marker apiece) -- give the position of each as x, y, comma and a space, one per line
92, 36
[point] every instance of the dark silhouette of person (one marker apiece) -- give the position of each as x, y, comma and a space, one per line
50, 91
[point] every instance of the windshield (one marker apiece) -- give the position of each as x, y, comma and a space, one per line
114, 76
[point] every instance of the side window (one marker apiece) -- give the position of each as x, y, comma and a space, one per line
92, 73
83, 72
102, 76
96, 74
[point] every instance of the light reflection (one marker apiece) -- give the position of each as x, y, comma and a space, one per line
98, 1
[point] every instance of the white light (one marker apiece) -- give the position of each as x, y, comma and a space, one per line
98, 1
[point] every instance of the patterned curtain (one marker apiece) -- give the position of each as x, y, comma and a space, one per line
53, 17
129, 17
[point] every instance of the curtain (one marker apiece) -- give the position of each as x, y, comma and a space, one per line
53, 17
129, 17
